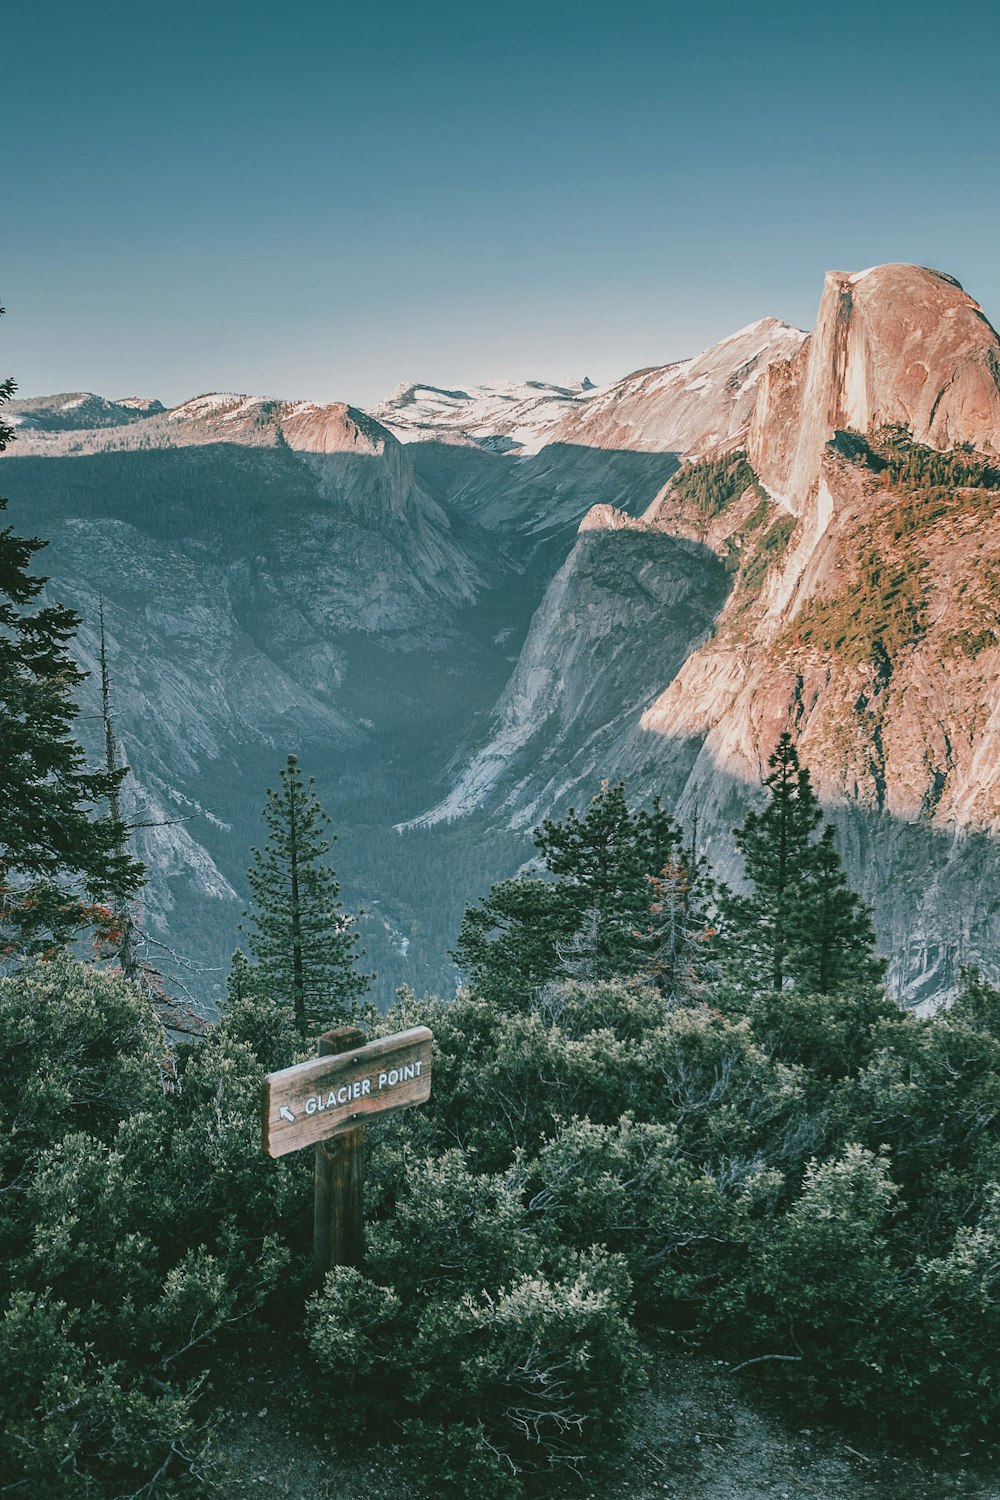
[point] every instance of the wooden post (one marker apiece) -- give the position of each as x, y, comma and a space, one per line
339, 1234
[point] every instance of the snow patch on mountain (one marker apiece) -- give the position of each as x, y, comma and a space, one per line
687, 406
212, 404
505, 416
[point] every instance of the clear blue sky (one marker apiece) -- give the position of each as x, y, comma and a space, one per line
323, 199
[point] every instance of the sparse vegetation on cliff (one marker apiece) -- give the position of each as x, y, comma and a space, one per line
710, 485
923, 496
891, 452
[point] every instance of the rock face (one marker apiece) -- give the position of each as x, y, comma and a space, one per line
686, 407
508, 417
275, 578
625, 610
896, 345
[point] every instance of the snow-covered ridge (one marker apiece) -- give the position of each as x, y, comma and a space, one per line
687, 406
506, 416
224, 404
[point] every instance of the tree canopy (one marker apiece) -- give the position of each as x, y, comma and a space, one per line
800, 923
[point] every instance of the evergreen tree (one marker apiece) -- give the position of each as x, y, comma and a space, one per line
590, 920
800, 923
604, 860
510, 943
835, 943
63, 864
299, 934
124, 934
776, 845
679, 935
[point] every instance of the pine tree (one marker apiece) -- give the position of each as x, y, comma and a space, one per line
604, 860
587, 922
124, 932
62, 860
801, 923
510, 943
835, 940
299, 934
679, 935
775, 845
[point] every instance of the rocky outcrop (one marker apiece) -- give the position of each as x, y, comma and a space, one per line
624, 611
290, 575
896, 345
506, 417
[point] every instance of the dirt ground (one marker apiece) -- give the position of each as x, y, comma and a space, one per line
703, 1436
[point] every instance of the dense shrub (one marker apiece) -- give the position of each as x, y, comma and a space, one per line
505, 1385
136, 1225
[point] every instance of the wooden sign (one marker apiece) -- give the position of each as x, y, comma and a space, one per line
325, 1103
313, 1100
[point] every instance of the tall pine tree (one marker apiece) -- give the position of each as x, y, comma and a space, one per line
679, 934
605, 859
834, 944
63, 861
301, 937
800, 923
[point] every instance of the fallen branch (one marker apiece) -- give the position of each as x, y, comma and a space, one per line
760, 1358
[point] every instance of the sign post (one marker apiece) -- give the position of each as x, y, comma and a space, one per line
325, 1102
339, 1218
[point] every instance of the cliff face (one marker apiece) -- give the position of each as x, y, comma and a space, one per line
862, 617
275, 578
626, 608
685, 407
896, 345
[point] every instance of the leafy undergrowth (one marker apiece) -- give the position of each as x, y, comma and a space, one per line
807, 1185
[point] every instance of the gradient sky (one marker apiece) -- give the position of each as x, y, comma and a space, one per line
324, 199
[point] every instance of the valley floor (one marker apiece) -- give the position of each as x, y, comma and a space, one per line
701, 1438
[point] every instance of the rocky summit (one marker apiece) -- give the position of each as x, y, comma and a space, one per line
466, 608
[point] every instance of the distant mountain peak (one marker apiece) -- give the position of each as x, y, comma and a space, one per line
75, 411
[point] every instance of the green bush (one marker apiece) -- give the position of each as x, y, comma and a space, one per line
539, 1373
137, 1224
808, 1181
819, 1280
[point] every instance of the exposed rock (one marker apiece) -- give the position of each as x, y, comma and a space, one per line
685, 407
894, 345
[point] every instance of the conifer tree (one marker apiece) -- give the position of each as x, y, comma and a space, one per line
125, 934
63, 862
590, 921
299, 934
604, 860
835, 941
679, 935
800, 923
775, 845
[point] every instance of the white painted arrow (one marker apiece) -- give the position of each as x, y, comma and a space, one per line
286, 1114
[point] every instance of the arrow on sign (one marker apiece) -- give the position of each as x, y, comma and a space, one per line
286, 1114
